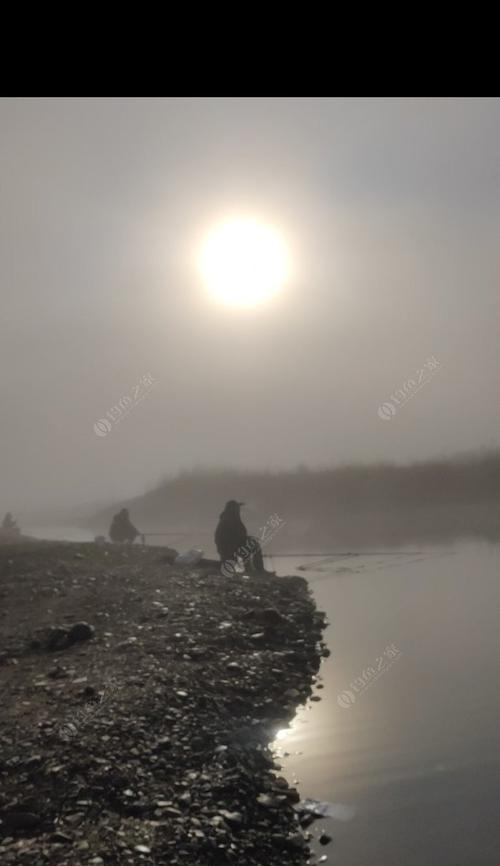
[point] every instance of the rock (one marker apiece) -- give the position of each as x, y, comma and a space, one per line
57, 673
62, 838
233, 818
33, 761
74, 818
292, 694
265, 616
296, 840
268, 801
62, 637
325, 839
307, 819
172, 811
80, 631
292, 795
57, 639
129, 642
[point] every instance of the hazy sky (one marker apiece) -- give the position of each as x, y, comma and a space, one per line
391, 210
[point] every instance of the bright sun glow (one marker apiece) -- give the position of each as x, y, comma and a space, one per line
243, 262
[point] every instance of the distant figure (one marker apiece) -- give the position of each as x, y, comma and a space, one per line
233, 542
9, 525
121, 529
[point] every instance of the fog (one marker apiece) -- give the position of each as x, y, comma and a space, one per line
351, 507
390, 208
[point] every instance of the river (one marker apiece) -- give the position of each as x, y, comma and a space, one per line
407, 730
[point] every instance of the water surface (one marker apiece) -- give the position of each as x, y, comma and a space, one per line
414, 749
60, 533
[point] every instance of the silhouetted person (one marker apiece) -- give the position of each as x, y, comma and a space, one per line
121, 529
233, 542
10, 525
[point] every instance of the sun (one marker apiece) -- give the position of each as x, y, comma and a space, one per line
243, 262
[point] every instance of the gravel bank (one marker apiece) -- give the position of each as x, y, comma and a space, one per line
138, 702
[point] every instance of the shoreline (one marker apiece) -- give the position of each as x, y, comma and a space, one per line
146, 739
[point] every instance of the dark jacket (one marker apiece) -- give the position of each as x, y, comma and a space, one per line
121, 527
231, 533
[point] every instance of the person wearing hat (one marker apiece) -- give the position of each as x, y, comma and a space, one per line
233, 542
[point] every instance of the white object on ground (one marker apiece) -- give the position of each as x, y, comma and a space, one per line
190, 557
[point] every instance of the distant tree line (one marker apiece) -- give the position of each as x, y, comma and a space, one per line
357, 504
